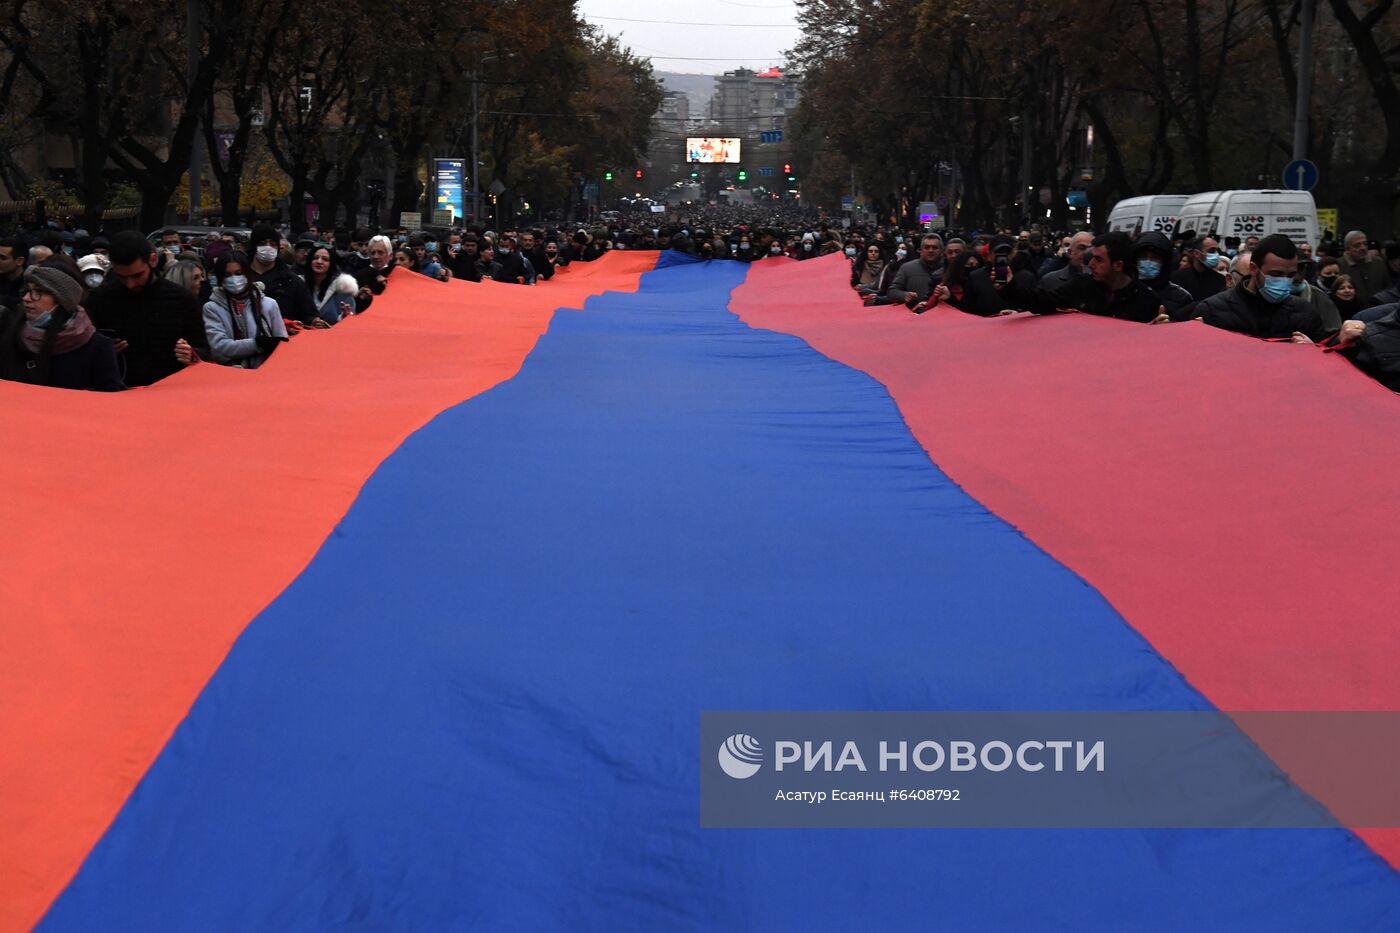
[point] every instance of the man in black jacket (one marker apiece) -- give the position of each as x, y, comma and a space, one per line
1076, 260
1374, 346
1152, 254
1110, 290
279, 282
373, 278
513, 266
1262, 303
14, 254
914, 281
580, 248
157, 326
464, 263
1202, 275
533, 250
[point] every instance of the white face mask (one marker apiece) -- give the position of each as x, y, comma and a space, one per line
266, 254
93, 279
901, 253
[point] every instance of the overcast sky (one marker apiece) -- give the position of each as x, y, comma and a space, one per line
741, 33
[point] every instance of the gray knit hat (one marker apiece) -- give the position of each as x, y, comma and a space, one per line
67, 290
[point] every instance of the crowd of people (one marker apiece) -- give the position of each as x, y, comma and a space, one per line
1341, 296
108, 313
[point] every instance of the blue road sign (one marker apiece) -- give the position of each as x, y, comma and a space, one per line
1300, 175
766, 172
774, 136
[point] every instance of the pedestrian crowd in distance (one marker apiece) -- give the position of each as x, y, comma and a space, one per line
109, 313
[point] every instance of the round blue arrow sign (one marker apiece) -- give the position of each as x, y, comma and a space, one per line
1300, 175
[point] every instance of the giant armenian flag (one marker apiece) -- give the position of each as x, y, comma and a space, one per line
412, 627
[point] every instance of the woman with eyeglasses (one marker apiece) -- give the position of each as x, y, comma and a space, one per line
50, 341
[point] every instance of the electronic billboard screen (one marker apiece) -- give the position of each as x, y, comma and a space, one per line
712, 149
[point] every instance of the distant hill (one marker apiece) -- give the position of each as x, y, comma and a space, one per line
699, 88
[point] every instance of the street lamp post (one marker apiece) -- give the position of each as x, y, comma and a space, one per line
1305, 67
192, 55
476, 154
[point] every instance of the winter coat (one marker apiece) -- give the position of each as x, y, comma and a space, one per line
978, 297
915, 277
1134, 302
150, 321
1241, 310
512, 267
1172, 297
285, 287
1377, 351
1370, 276
539, 262
225, 344
90, 366
337, 299
1200, 284
369, 277
1331, 319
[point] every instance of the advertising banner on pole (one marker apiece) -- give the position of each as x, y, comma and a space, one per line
447, 181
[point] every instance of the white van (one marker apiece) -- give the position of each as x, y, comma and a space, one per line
1156, 212
1251, 212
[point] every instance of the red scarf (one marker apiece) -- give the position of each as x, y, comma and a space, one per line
75, 333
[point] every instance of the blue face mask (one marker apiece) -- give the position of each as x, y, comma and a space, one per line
1232, 253
1211, 260
430, 247
1297, 287
42, 321
1148, 269
1276, 289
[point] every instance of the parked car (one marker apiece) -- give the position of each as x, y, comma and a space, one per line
189, 232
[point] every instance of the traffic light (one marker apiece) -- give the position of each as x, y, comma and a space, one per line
607, 176
743, 175
787, 169
694, 174
639, 173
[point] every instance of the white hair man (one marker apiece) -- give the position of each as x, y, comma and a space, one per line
1368, 273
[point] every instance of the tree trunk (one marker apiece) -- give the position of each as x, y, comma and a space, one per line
407, 189
1364, 38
